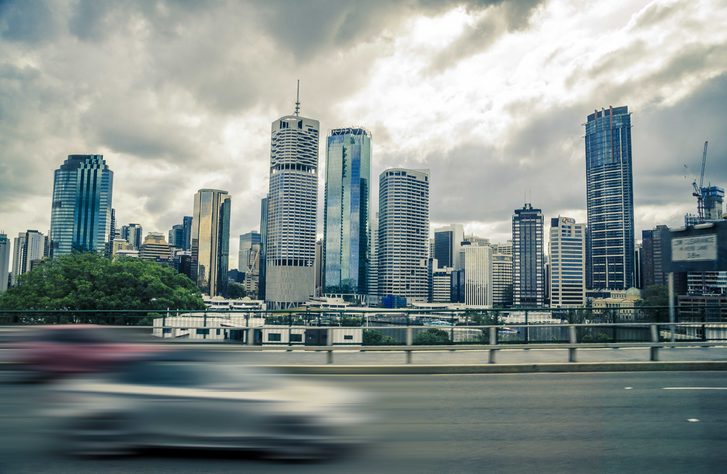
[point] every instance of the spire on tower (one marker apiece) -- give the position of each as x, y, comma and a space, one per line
297, 100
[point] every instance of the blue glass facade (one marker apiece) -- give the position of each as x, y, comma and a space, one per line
346, 212
610, 199
81, 208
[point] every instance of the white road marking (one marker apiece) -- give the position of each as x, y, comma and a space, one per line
693, 420
694, 388
628, 388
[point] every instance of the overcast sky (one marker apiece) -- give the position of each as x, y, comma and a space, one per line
490, 96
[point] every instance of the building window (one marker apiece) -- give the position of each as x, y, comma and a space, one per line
274, 337
296, 338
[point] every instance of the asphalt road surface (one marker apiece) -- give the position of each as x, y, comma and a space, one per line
606, 422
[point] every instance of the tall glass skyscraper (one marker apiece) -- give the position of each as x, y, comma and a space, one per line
263, 245
447, 245
403, 234
81, 209
346, 211
292, 204
211, 240
610, 199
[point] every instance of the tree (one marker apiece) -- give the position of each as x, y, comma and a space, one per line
88, 281
656, 295
235, 291
372, 337
431, 337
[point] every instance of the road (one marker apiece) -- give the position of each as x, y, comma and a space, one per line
580, 422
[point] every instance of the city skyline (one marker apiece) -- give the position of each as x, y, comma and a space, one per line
675, 101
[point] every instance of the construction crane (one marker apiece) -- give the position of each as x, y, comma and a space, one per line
698, 189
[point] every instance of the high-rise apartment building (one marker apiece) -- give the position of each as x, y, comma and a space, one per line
502, 275
477, 263
18, 250
403, 234
4, 262
346, 212
610, 199
292, 202
447, 244
567, 253
132, 233
528, 279
211, 240
81, 208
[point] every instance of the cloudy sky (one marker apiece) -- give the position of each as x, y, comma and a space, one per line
489, 95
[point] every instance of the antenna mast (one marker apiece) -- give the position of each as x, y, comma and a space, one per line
297, 100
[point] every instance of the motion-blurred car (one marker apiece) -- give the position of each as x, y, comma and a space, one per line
53, 351
158, 404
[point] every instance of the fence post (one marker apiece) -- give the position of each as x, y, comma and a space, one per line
527, 328
493, 342
329, 343
573, 339
654, 350
409, 341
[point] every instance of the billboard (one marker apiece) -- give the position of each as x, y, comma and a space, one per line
702, 248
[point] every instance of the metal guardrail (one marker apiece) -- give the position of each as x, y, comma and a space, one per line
490, 338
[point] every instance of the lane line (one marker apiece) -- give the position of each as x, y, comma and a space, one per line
694, 388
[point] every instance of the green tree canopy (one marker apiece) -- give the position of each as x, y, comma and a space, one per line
431, 337
84, 281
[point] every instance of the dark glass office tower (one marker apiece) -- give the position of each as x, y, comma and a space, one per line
610, 199
81, 208
211, 240
528, 282
346, 211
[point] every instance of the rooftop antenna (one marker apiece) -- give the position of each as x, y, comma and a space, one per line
297, 99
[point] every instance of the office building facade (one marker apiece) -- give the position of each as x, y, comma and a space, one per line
346, 212
132, 233
447, 244
528, 279
567, 254
4, 263
477, 263
211, 240
609, 199
502, 275
652, 265
403, 234
81, 206
248, 241
291, 211
156, 248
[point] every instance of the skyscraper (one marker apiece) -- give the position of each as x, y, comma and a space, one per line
292, 203
176, 236
652, 268
567, 252
81, 209
527, 257
447, 244
502, 274
247, 243
263, 245
477, 263
403, 234
610, 199
18, 250
30, 247
132, 233
346, 211
187, 233
4, 262
211, 240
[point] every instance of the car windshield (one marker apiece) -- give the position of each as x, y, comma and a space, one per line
192, 375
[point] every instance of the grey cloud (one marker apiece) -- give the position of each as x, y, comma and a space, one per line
502, 18
655, 14
29, 22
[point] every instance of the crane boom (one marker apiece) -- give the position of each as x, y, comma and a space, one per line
704, 163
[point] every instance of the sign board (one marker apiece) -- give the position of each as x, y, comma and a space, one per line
702, 248
694, 249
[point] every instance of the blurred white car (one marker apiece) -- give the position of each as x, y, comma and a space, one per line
158, 404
